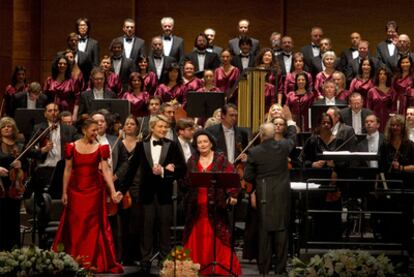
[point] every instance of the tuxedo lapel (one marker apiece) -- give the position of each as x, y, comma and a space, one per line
147, 150
164, 151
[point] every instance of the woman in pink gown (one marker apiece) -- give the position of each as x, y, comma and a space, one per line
84, 228
190, 81
173, 89
112, 79
137, 97
300, 100
365, 79
208, 82
206, 211
149, 77
290, 80
18, 83
61, 88
328, 59
380, 98
402, 84
226, 76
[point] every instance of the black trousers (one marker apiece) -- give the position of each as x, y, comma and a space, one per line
9, 223
269, 241
155, 213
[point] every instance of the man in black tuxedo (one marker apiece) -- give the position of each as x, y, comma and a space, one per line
402, 50
154, 106
313, 49
133, 46
200, 57
354, 67
185, 128
173, 46
387, 48
87, 44
50, 152
230, 138
344, 134
32, 99
121, 65
81, 58
275, 42
245, 58
349, 54
243, 29
158, 62
267, 168
167, 109
98, 91
160, 163
211, 47
285, 59
355, 115
374, 140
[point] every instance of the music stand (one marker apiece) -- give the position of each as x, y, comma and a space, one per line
223, 180
203, 104
26, 119
318, 109
119, 106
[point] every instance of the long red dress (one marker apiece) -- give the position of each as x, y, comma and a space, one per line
84, 228
200, 241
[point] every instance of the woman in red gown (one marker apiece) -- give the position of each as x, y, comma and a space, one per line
173, 89
226, 76
137, 97
273, 94
328, 59
208, 81
112, 79
190, 81
365, 79
84, 228
290, 80
402, 84
204, 212
380, 98
18, 83
149, 77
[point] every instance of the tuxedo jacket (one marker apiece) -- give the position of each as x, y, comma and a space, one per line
19, 100
216, 49
86, 97
346, 115
383, 53
67, 134
392, 62
192, 150
352, 70
177, 49
316, 65
167, 62
138, 48
151, 185
235, 49
241, 138
211, 60
92, 50
362, 146
345, 133
280, 60
346, 59
127, 67
307, 57
119, 157
236, 61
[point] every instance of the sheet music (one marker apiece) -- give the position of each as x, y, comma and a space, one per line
373, 154
302, 185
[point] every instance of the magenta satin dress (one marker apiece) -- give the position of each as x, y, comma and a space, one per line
361, 86
290, 82
225, 82
402, 87
299, 105
65, 94
382, 104
138, 103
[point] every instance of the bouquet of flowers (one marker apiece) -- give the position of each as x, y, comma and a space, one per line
179, 263
344, 262
33, 261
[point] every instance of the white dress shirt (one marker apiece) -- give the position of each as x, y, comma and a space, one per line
230, 142
98, 94
373, 142
201, 59
356, 122
245, 62
391, 48
335, 129
31, 104
128, 47
54, 155
411, 134
316, 51
158, 66
155, 151
116, 64
185, 145
330, 102
288, 62
167, 45
82, 44
355, 54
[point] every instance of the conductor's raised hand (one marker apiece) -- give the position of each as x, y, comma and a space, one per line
286, 113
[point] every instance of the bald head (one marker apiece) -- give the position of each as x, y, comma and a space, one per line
404, 43
267, 131
355, 39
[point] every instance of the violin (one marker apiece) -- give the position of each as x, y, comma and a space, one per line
16, 176
246, 186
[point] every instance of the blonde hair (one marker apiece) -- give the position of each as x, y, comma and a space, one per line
4, 121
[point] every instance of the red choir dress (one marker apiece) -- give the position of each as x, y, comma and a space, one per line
65, 94
225, 82
138, 103
299, 105
290, 81
343, 95
200, 241
167, 94
84, 228
361, 86
213, 89
320, 79
402, 87
150, 82
194, 84
381, 104
114, 83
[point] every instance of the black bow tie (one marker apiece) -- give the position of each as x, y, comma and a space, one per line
315, 46
157, 57
201, 52
244, 56
128, 39
82, 39
167, 38
286, 55
157, 142
116, 58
